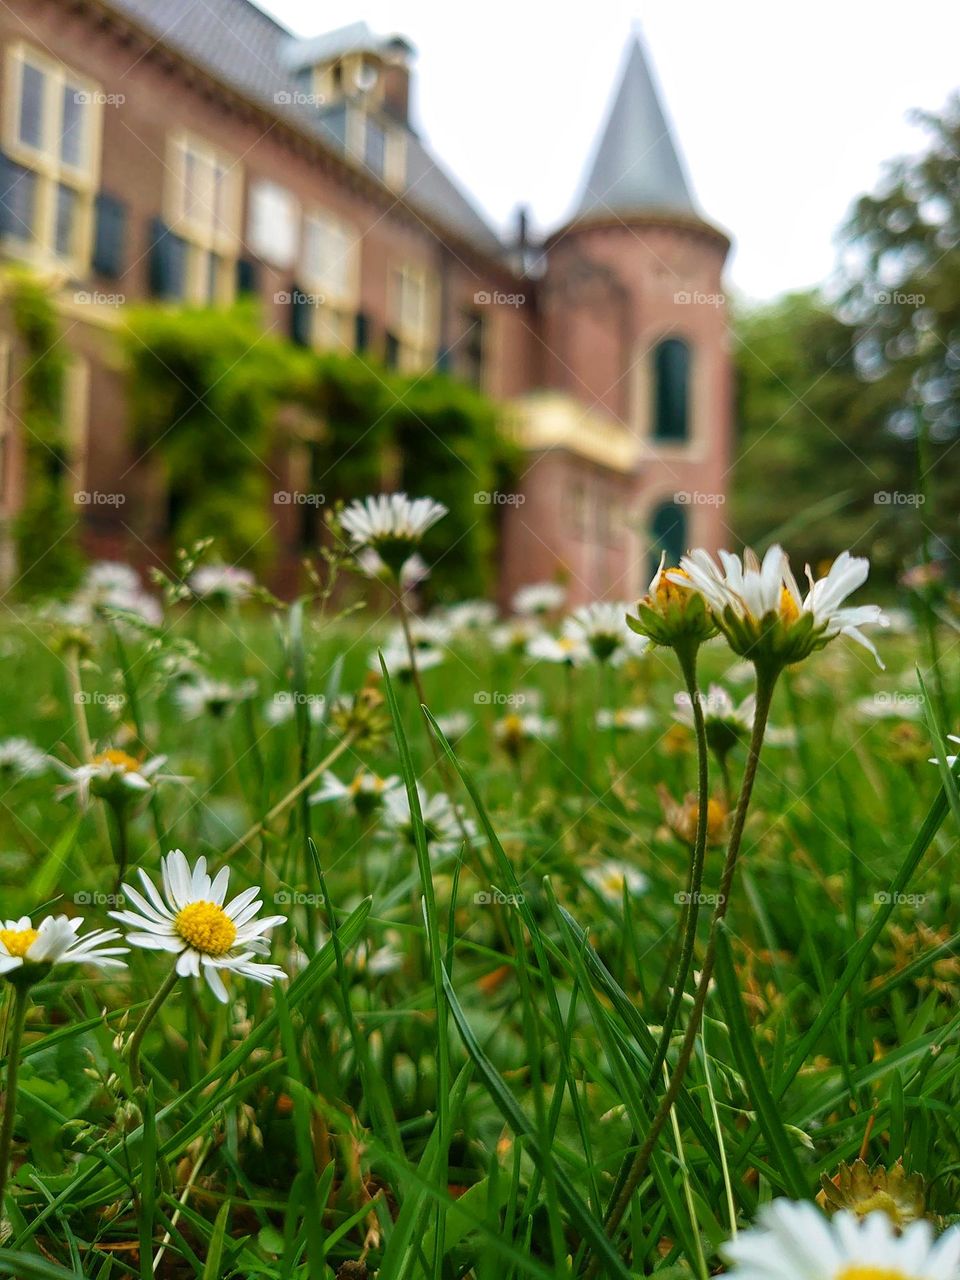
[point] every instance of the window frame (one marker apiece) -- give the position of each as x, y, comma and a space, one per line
49, 169
217, 236
417, 343
334, 309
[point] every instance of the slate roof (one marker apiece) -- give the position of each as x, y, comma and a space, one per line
245, 47
636, 167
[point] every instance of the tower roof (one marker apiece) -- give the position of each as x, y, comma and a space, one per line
636, 167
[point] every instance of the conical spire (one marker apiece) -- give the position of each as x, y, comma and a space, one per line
636, 166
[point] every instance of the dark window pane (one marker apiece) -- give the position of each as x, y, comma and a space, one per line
31, 106
376, 147
68, 203
18, 196
671, 389
668, 531
391, 352
109, 235
73, 122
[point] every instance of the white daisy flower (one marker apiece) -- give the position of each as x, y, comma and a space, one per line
413, 571
513, 636
191, 922
538, 598
759, 606
397, 659
611, 877
794, 1241
217, 698
455, 725
718, 707
514, 730
364, 793
19, 758
55, 941
426, 633
391, 524
951, 760
570, 650
115, 776
108, 577
470, 616
440, 820
110, 585
221, 583
603, 627
625, 719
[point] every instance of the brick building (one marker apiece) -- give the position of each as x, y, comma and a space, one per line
181, 151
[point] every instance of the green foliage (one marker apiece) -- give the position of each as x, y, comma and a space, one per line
47, 553
216, 400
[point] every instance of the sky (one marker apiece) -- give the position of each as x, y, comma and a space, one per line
783, 113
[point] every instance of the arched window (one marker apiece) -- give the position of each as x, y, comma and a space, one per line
668, 532
671, 390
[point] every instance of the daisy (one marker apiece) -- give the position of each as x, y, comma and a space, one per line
115, 776
455, 725
515, 731
221, 583
413, 571
470, 616
398, 661
725, 721
190, 921
625, 719
19, 758
794, 1241
951, 760
29, 952
761, 609
217, 698
426, 633
364, 794
392, 525
513, 636
671, 613
442, 822
611, 878
538, 598
603, 628
569, 650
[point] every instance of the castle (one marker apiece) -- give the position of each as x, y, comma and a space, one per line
180, 151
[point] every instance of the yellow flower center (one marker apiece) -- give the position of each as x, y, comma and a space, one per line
871, 1273
18, 941
668, 592
206, 927
120, 758
789, 608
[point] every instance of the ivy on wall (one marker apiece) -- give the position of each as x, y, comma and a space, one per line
210, 398
44, 531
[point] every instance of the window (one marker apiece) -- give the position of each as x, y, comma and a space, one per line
378, 144
331, 256
203, 196
413, 317
472, 346
52, 139
273, 224
668, 532
671, 390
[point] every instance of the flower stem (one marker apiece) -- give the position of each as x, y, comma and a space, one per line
688, 664
18, 1020
766, 681
121, 843
151, 1011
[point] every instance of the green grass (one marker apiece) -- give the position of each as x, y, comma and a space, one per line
449, 1083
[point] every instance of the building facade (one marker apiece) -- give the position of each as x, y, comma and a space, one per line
160, 149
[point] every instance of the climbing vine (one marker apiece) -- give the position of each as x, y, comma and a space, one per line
48, 554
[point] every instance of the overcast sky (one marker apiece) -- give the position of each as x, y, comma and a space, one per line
783, 113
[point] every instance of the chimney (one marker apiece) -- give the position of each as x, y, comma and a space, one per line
397, 56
